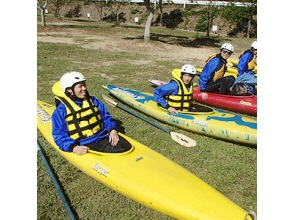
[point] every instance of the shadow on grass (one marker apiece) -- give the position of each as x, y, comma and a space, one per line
181, 40
196, 41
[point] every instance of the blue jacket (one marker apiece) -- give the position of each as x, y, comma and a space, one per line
208, 72
160, 92
243, 61
59, 126
249, 80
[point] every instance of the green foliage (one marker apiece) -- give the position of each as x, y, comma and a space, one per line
190, 12
202, 23
134, 10
240, 16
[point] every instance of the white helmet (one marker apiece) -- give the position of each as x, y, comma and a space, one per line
254, 45
187, 68
70, 78
228, 47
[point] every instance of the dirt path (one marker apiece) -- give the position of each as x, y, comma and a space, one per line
115, 42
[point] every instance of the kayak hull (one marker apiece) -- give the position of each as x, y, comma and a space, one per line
149, 178
242, 104
218, 124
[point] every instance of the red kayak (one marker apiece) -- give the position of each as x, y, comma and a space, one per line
242, 104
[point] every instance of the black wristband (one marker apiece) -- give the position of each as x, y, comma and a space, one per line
111, 129
167, 106
71, 147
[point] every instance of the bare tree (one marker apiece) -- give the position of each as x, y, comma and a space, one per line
150, 10
250, 12
42, 9
99, 5
57, 4
211, 11
114, 6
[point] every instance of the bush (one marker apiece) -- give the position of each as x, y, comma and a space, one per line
202, 24
134, 10
173, 19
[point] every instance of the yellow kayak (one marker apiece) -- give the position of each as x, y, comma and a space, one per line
216, 123
233, 64
231, 71
149, 178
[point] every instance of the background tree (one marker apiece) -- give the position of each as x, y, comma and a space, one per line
207, 16
150, 10
42, 8
149, 21
57, 4
114, 6
243, 16
56, 7
99, 5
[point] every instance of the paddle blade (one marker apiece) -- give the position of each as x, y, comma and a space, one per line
182, 139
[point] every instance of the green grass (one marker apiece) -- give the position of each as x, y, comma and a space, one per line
228, 167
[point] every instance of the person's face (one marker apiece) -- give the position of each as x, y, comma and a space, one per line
187, 78
243, 92
226, 53
254, 52
79, 90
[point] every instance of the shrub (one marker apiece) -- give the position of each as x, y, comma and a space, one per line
134, 10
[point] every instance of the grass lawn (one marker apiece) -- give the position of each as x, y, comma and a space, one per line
228, 167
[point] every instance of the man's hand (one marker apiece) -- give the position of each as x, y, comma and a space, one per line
80, 150
172, 110
113, 138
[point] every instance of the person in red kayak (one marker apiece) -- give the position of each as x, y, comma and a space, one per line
245, 85
212, 77
81, 122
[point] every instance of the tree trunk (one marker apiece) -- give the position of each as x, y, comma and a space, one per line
208, 26
160, 7
43, 17
42, 8
248, 28
148, 27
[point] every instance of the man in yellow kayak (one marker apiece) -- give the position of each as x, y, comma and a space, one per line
81, 122
176, 95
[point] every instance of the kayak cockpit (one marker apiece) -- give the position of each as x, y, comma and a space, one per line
112, 154
127, 148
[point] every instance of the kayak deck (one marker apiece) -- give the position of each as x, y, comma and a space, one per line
218, 124
148, 178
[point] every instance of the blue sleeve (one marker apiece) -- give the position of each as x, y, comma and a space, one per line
160, 92
59, 129
207, 72
242, 64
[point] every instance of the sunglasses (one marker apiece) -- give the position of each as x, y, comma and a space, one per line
227, 52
